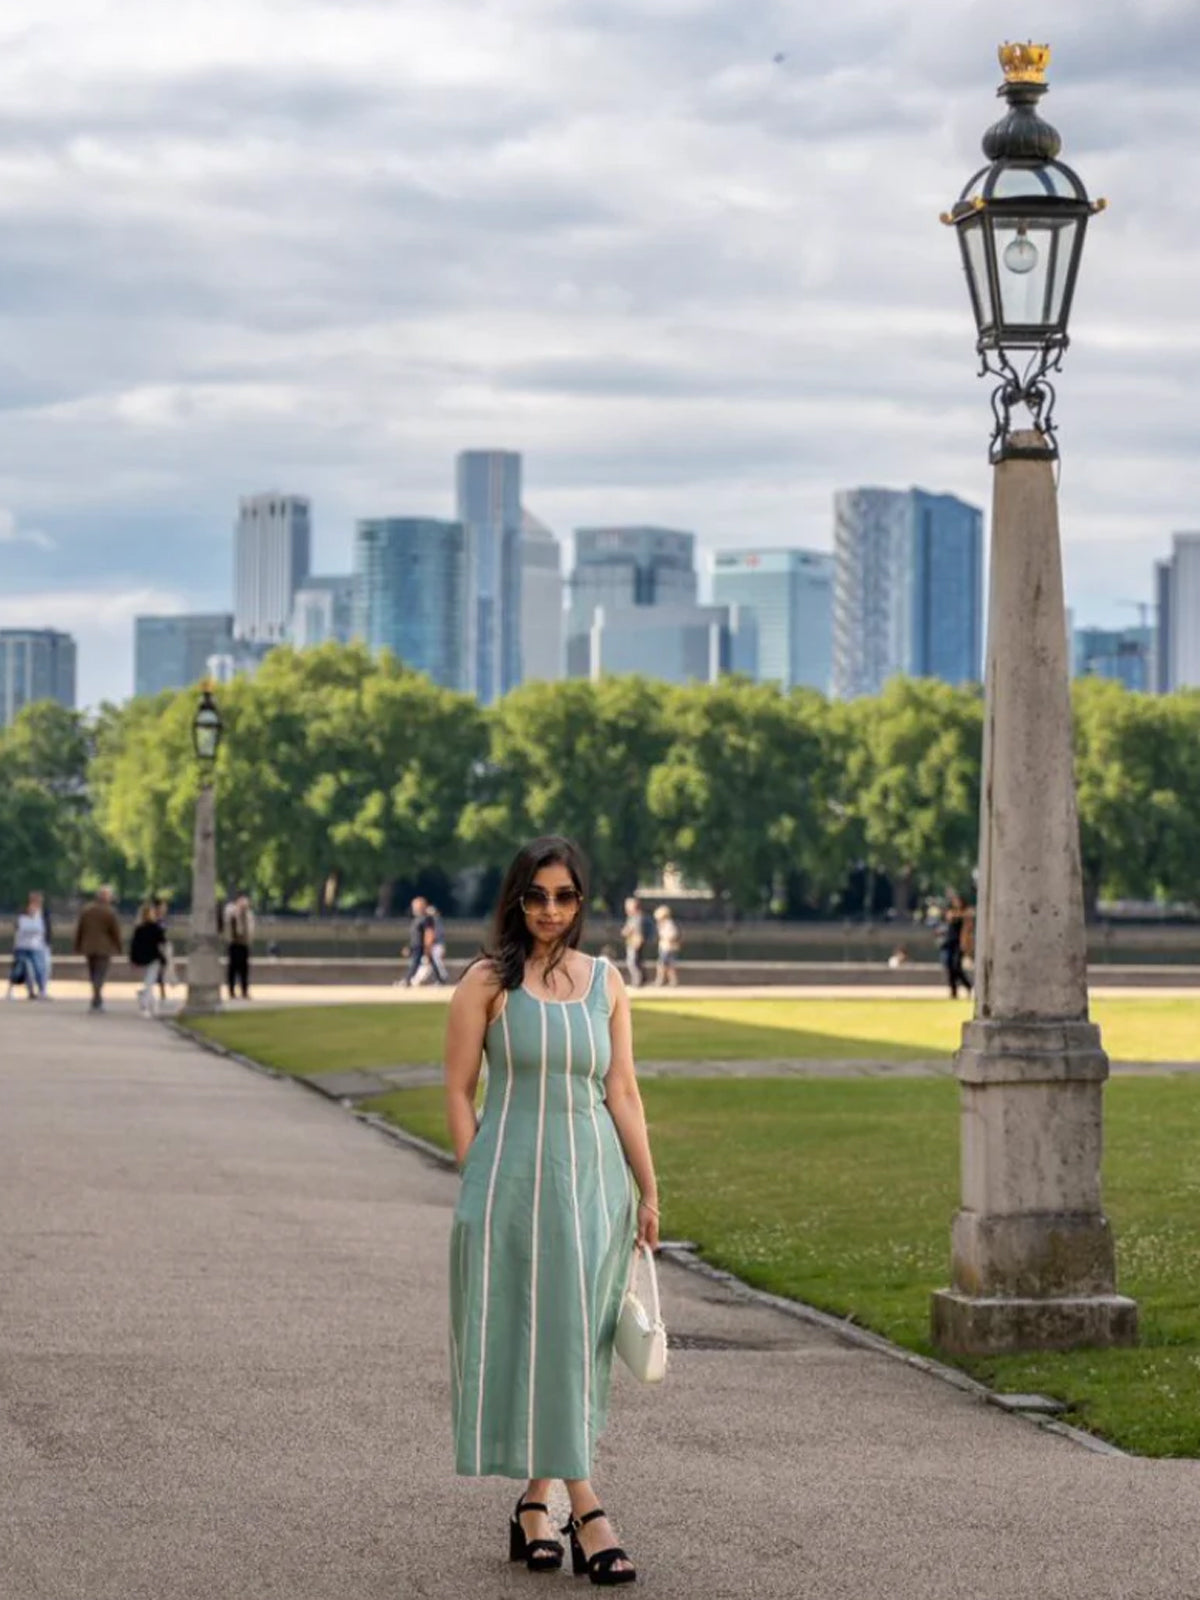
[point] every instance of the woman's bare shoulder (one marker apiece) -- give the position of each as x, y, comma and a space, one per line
481, 980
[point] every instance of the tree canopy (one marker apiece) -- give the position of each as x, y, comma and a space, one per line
344, 777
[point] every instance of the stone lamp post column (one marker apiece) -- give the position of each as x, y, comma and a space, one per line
203, 962
1032, 1252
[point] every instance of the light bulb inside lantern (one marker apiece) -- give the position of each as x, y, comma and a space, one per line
1021, 255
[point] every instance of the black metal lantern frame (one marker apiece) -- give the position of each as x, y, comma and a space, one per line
1021, 222
206, 730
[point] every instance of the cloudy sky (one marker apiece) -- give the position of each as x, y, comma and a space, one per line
249, 244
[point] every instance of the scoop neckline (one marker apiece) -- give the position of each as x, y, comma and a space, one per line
583, 999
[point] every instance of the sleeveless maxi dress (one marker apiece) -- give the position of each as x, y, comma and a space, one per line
541, 1245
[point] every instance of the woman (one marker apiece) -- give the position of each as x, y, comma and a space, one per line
667, 970
633, 939
29, 950
147, 951
540, 1248
953, 942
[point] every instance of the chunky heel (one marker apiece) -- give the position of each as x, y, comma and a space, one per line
539, 1555
600, 1567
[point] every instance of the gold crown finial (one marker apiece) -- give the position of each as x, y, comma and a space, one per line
1025, 63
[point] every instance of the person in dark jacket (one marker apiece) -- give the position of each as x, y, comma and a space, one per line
147, 952
956, 941
98, 939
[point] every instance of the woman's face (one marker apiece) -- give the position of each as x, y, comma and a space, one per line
551, 903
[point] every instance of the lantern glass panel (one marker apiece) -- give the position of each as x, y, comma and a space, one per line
975, 254
207, 731
1068, 235
1014, 183
1026, 261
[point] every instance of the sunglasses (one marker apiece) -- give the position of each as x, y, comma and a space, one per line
538, 899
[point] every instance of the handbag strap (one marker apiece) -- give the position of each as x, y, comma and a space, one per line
647, 1255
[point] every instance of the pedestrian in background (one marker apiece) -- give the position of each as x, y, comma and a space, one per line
669, 942
98, 940
435, 945
633, 933
951, 943
418, 937
146, 954
29, 937
166, 967
238, 923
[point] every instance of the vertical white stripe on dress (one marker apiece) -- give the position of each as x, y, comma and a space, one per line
583, 1300
487, 1237
587, 1017
533, 1270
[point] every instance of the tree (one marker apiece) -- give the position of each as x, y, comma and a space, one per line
573, 758
1135, 769
740, 793
913, 778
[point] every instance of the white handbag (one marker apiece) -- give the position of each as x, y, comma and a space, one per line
641, 1336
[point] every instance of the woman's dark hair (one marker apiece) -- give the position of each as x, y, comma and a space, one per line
511, 941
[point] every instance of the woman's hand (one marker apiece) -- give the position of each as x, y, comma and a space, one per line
647, 1224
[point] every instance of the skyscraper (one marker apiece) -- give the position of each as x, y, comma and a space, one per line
790, 593
172, 652
672, 643
1162, 631
541, 603
489, 509
623, 568
35, 664
1126, 655
322, 610
411, 593
908, 589
272, 545
1182, 593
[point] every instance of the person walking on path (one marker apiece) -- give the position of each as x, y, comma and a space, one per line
540, 1246
633, 935
29, 946
958, 923
98, 940
435, 947
147, 952
420, 936
239, 936
669, 941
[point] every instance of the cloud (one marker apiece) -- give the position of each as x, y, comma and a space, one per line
325, 246
11, 533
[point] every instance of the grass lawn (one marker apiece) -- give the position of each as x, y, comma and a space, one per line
305, 1039
840, 1193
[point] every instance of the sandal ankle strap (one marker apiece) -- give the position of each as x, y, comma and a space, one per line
530, 1505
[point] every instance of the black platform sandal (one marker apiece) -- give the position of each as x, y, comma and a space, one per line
539, 1555
599, 1567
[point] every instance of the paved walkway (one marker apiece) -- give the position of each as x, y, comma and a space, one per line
222, 1373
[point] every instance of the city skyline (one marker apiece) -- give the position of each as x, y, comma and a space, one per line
712, 339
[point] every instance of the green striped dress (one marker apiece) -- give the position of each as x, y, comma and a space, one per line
541, 1244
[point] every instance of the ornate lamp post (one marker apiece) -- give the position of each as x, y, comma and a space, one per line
203, 967
1032, 1252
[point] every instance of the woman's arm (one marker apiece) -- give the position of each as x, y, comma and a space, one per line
624, 1102
466, 1027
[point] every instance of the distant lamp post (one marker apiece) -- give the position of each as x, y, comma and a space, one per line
203, 962
1032, 1253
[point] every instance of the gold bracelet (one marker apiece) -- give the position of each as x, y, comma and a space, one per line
646, 1206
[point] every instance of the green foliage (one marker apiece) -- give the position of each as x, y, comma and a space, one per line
574, 758
342, 774
741, 791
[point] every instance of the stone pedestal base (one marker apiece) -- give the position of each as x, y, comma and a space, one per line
966, 1326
